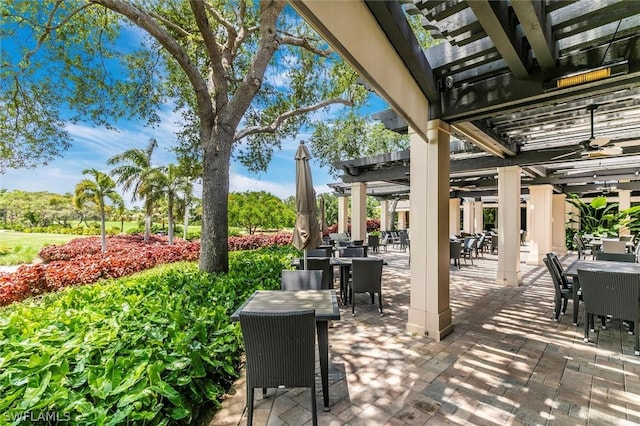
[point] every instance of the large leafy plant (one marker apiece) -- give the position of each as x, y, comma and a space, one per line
155, 348
597, 217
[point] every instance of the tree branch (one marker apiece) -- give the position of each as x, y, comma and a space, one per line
304, 43
170, 24
217, 73
228, 51
246, 91
145, 21
273, 127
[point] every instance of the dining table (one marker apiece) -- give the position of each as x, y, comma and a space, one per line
323, 302
594, 265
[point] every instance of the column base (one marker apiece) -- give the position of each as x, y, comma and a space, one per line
513, 279
435, 326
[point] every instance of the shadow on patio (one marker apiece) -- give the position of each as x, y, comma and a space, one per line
507, 362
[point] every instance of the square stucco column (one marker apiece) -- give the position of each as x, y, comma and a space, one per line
478, 217
454, 216
402, 220
468, 213
343, 214
384, 215
509, 226
429, 310
358, 211
559, 226
624, 202
541, 222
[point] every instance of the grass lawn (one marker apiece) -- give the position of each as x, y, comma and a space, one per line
20, 247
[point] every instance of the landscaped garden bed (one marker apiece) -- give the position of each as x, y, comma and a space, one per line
81, 262
152, 348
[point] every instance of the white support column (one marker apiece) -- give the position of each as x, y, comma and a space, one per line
478, 218
468, 211
624, 202
559, 227
343, 214
454, 216
540, 228
384, 215
429, 310
358, 211
402, 220
509, 226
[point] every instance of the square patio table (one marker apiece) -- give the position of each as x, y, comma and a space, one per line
595, 265
325, 304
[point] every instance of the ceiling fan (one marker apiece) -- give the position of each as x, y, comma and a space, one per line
594, 147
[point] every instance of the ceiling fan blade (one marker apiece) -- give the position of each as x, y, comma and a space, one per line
622, 144
568, 154
598, 142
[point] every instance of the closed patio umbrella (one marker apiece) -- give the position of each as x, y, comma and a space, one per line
306, 234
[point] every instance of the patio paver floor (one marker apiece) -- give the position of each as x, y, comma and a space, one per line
506, 363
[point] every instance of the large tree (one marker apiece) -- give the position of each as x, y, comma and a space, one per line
237, 71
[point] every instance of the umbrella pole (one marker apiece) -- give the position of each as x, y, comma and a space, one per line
304, 263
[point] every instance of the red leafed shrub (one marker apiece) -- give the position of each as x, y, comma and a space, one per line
80, 261
255, 241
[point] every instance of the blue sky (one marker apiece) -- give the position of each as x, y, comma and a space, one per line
92, 146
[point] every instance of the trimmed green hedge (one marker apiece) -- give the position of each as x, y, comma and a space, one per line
151, 348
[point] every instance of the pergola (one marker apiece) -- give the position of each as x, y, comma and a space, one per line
543, 95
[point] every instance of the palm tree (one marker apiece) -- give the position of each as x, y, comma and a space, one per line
169, 180
135, 174
97, 190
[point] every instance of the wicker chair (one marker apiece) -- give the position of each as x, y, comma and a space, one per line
366, 277
583, 251
353, 252
469, 248
321, 264
373, 241
614, 246
301, 280
320, 252
563, 292
455, 251
610, 293
616, 257
280, 350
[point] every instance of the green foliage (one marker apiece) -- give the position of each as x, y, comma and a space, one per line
252, 210
352, 137
597, 217
153, 348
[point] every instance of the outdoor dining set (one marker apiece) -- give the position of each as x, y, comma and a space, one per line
608, 285
278, 325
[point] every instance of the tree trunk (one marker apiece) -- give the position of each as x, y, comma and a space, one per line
214, 244
170, 222
103, 230
186, 219
147, 224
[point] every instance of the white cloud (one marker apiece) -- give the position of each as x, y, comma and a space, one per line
240, 183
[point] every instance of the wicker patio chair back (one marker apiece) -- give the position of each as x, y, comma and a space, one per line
562, 293
353, 252
322, 264
280, 351
455, 251
301, 280
373, 241
319, 252
610, 293
616, 257
366, 277
614, 246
